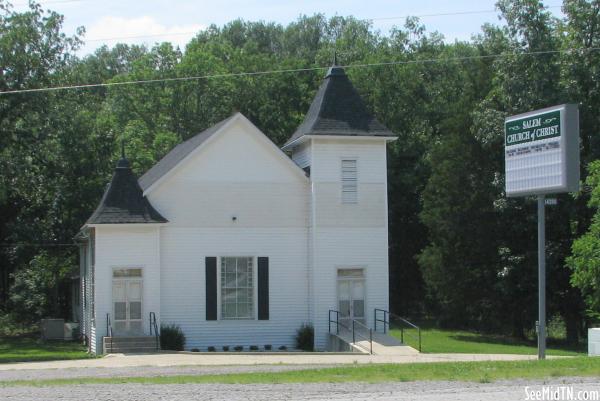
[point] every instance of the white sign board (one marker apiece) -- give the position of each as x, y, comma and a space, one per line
541, 151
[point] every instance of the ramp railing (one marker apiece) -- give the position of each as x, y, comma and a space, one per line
109, 330
383, 316
154, 329
354, 329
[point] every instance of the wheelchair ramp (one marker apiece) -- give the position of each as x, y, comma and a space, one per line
383, 344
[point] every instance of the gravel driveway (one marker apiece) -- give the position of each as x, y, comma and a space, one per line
145, 371
447, 391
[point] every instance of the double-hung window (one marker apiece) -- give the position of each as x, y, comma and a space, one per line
237, 288
349, 181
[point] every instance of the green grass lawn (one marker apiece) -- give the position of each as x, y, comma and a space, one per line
26, 349
482, 372
455, 341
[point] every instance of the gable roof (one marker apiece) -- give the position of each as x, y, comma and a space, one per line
185, 149
338, 109
123, 201
177, 154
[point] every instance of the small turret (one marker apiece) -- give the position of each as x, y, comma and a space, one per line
123, 201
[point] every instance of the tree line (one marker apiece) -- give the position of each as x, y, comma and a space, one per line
461, 253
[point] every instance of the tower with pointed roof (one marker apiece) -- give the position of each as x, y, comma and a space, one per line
342, 147
123, 201
338, 110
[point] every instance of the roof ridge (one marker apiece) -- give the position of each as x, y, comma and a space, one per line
178, 153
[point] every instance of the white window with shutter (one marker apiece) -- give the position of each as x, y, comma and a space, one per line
237, 288
349, 181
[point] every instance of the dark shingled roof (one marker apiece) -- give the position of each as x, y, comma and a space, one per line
178, 153
338, 109
123, 201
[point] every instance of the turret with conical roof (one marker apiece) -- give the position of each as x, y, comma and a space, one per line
338, 110
123, 201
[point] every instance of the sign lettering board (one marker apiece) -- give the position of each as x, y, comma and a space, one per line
541, 151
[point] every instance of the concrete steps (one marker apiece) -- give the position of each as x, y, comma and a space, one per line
124, 345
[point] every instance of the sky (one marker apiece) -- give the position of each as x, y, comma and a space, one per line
150, 21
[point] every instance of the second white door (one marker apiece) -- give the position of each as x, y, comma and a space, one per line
351, 296
127, 307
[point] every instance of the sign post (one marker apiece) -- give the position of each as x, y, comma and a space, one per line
541, 155
541, 277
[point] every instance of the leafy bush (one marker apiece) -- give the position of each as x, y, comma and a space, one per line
226, 348
238, 348
268, 347
37, 288
282, 348
305, 337
211, 349
195, 350
556, 327
10, 327
254, 348
171, 338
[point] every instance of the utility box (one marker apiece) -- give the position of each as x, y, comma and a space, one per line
71, 331
53, 329
594, 342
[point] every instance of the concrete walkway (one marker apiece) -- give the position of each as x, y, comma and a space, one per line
239, 359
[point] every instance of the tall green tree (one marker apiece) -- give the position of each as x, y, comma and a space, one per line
579, 71
585, 259
34, 52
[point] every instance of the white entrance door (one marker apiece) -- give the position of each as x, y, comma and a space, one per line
127, 306
351, 296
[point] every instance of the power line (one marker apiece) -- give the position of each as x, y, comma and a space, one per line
41, 245
147, 81
184, 33
25, 3
467, 12
293, 70
141, 36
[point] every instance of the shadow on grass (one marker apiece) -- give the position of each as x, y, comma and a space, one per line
435, 339
29, 349
491, 339
511, 341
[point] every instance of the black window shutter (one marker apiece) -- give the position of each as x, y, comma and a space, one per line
263, 288
211, 288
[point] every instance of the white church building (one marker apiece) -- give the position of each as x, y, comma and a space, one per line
239, 242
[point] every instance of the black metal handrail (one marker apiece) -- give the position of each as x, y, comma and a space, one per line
385, 319
350, 329
154, 327
336, 321
108, 326
355, 332
386, 324
109, 330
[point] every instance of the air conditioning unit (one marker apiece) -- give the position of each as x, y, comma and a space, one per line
53, 329
594, 342
71, 331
